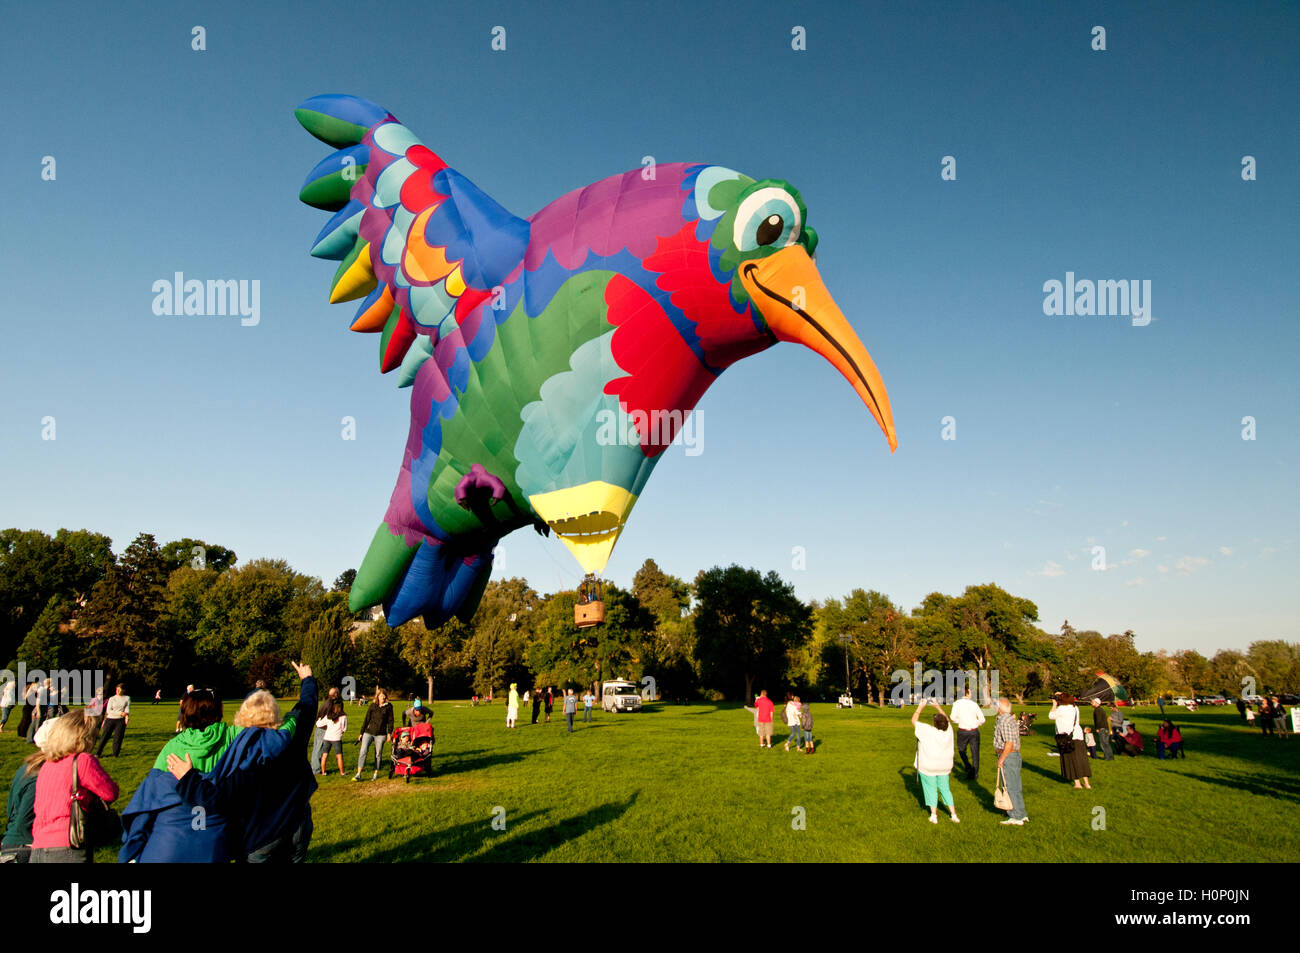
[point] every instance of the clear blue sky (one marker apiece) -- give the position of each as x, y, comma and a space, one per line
1071, 431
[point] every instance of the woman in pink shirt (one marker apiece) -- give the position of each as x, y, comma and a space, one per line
70, 739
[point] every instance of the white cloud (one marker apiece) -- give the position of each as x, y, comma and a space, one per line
1050, 569
1225, 550
1139, 581
1125, 523
1163, 568
1161, 539
1140, 553
1187, 565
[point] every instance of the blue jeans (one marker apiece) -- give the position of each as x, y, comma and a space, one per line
1011, 774
317, 749
366, 740
569, 717
62, 855
1103, 744
586, 713
796, 736
1174, 749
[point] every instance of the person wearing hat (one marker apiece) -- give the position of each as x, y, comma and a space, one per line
1101, 729
417, 714
512, 706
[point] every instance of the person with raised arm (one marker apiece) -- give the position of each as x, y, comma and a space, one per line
934, 756
261, 785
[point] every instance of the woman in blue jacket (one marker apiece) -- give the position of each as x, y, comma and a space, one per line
159, 827
261, 784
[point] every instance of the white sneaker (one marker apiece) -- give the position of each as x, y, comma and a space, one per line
934, 818
374, 775
1019, 822
955, 819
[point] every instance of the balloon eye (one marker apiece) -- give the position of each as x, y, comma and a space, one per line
766, 219
770, 229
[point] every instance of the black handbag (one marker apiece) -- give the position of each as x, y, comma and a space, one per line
91, 822
1065, 742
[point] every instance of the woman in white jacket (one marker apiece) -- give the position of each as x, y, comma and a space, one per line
792, 719
1075, 765
934, 759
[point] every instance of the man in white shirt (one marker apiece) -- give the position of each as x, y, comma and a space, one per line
966, 715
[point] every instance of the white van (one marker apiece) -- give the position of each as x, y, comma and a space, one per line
620, 695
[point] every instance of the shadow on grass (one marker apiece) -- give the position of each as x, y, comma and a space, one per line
1251, 784
1036, 769
912, 782
460, 842
982, 795
533, 844
449, 845
458, 763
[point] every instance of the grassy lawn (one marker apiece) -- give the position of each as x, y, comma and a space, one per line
689, 783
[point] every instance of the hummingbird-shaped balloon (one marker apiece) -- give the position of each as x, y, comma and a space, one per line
550, 359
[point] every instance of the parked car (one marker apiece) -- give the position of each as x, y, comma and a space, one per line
1289, 699
1185, 702
1211, 700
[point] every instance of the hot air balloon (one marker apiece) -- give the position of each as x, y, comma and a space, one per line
551, 359
1106, 689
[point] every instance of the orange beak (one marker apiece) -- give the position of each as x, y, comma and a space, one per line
790, 295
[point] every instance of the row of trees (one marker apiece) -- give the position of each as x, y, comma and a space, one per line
161, 616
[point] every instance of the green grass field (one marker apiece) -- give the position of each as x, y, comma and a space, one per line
689, 783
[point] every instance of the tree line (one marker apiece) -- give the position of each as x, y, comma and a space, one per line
161, 616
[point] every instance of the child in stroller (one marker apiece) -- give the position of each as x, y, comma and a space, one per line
412, 751
1026, 720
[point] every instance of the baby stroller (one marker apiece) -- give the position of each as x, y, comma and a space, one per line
412, 752
1026, 721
